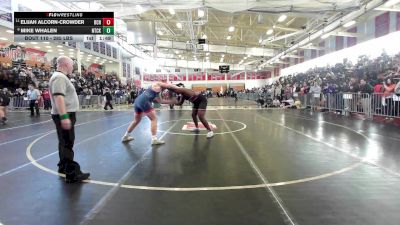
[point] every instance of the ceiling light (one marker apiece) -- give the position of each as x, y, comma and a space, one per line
10, 31
60, 50
348, 24
245, 57
222, 55
325, 36
160, 32
37, 47
59, 46
179, 25
282, 18
274, 26
139, 7
71, 49
231, 28
200, 13
207, 53
110, 61
204, 36
89, 55
172, 11
49, 50
61, 53
46, 42
221, 60
248, 55
21, 43
180, 56
260, 41
3, 38
228, 38
48, 46
270, 31
81, 53
34, 43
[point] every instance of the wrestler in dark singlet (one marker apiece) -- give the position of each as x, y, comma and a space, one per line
199, 106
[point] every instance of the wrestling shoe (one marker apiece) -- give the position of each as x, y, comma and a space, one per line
210, 134
157, 142
127, 138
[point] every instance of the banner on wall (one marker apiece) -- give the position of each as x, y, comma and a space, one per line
216, 76
197, 76
114, 53
96, 46
35, 55
155, 77
382, 24
108, 50
6, 14
103, 48
88, 45
177, 77
95, 68
13, 52
236, 76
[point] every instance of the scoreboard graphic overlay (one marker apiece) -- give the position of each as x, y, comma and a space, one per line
64, 26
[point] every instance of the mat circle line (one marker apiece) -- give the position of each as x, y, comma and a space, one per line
189, 189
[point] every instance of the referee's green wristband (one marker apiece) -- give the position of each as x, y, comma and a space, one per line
65, 116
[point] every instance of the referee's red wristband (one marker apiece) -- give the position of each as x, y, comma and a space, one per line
64, 116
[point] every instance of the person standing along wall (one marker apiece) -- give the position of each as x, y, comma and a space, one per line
366, 90
46, 99
33, 98
108, 99
4, 102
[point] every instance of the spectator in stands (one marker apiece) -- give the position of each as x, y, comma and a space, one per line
304, 89
46, 99
108, 96
276, 102
388, 95
33, 98
315, 91
278, 91
288, 103
4, 102
365, 89
133, 96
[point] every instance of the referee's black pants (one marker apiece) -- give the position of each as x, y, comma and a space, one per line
33, 105
66, 139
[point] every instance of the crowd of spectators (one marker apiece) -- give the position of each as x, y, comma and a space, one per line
367, 76
18, 79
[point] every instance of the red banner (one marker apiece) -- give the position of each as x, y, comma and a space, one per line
398, 21
177, 77
339, 43
216, 76
382, 23
302, 55
95, 68
236, 76
351, 41
321, 52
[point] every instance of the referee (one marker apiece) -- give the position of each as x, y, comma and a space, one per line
66, 104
